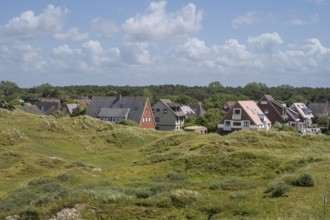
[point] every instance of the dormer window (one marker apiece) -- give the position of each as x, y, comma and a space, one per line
237, 111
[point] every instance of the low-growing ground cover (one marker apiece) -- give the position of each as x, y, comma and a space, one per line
120, 172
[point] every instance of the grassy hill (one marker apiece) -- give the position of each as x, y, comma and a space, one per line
118, 172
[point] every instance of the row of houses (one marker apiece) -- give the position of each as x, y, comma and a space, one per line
164, 115
49, 106
266, 112
168, 115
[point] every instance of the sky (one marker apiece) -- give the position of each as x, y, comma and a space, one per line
143, 42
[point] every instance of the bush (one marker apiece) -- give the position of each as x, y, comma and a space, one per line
278, 190
128, 122
305, 180
142, 193
182, 198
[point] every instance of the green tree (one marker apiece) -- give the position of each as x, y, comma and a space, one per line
8, 89
255, 90
215, 85
79, 110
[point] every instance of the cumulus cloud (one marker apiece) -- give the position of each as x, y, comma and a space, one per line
65, 49
135, 53
103, 27
93, 47
266, 42
247, 18
72, 34
157, 23
51, 20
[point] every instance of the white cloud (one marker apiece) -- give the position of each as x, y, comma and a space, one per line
250, 17
266, 42
93, 46
135, 53
159, 24
72, 34
28, 24
65, 49
103, 27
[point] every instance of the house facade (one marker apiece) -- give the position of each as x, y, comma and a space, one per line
168, 115
244, 115
277, 112
305, 114
115, 109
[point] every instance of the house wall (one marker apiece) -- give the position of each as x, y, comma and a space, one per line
164, 122
147, 119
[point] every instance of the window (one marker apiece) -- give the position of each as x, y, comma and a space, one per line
263, 102
227, 123
237, 123
237, 111
246, 124
165, 111
157, 110
156, 119
266, 111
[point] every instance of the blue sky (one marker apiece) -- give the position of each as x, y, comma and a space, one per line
142, 42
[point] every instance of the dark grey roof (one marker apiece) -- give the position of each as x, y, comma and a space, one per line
135, 104
30, 109
170, 105
198, 109
318, 108
113, 112
49, 107
97, 103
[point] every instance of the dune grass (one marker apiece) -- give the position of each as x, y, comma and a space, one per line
120, 172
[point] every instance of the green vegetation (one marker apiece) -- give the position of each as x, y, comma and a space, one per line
113, 171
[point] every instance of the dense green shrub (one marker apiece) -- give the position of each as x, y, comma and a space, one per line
306, 180
278, 190
128, 122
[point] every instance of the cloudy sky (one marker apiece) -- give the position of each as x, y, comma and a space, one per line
142, 42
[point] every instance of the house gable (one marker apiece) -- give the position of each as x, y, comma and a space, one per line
147, 119
275, 111
244, 115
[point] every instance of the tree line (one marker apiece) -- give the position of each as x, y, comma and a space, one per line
212, 96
